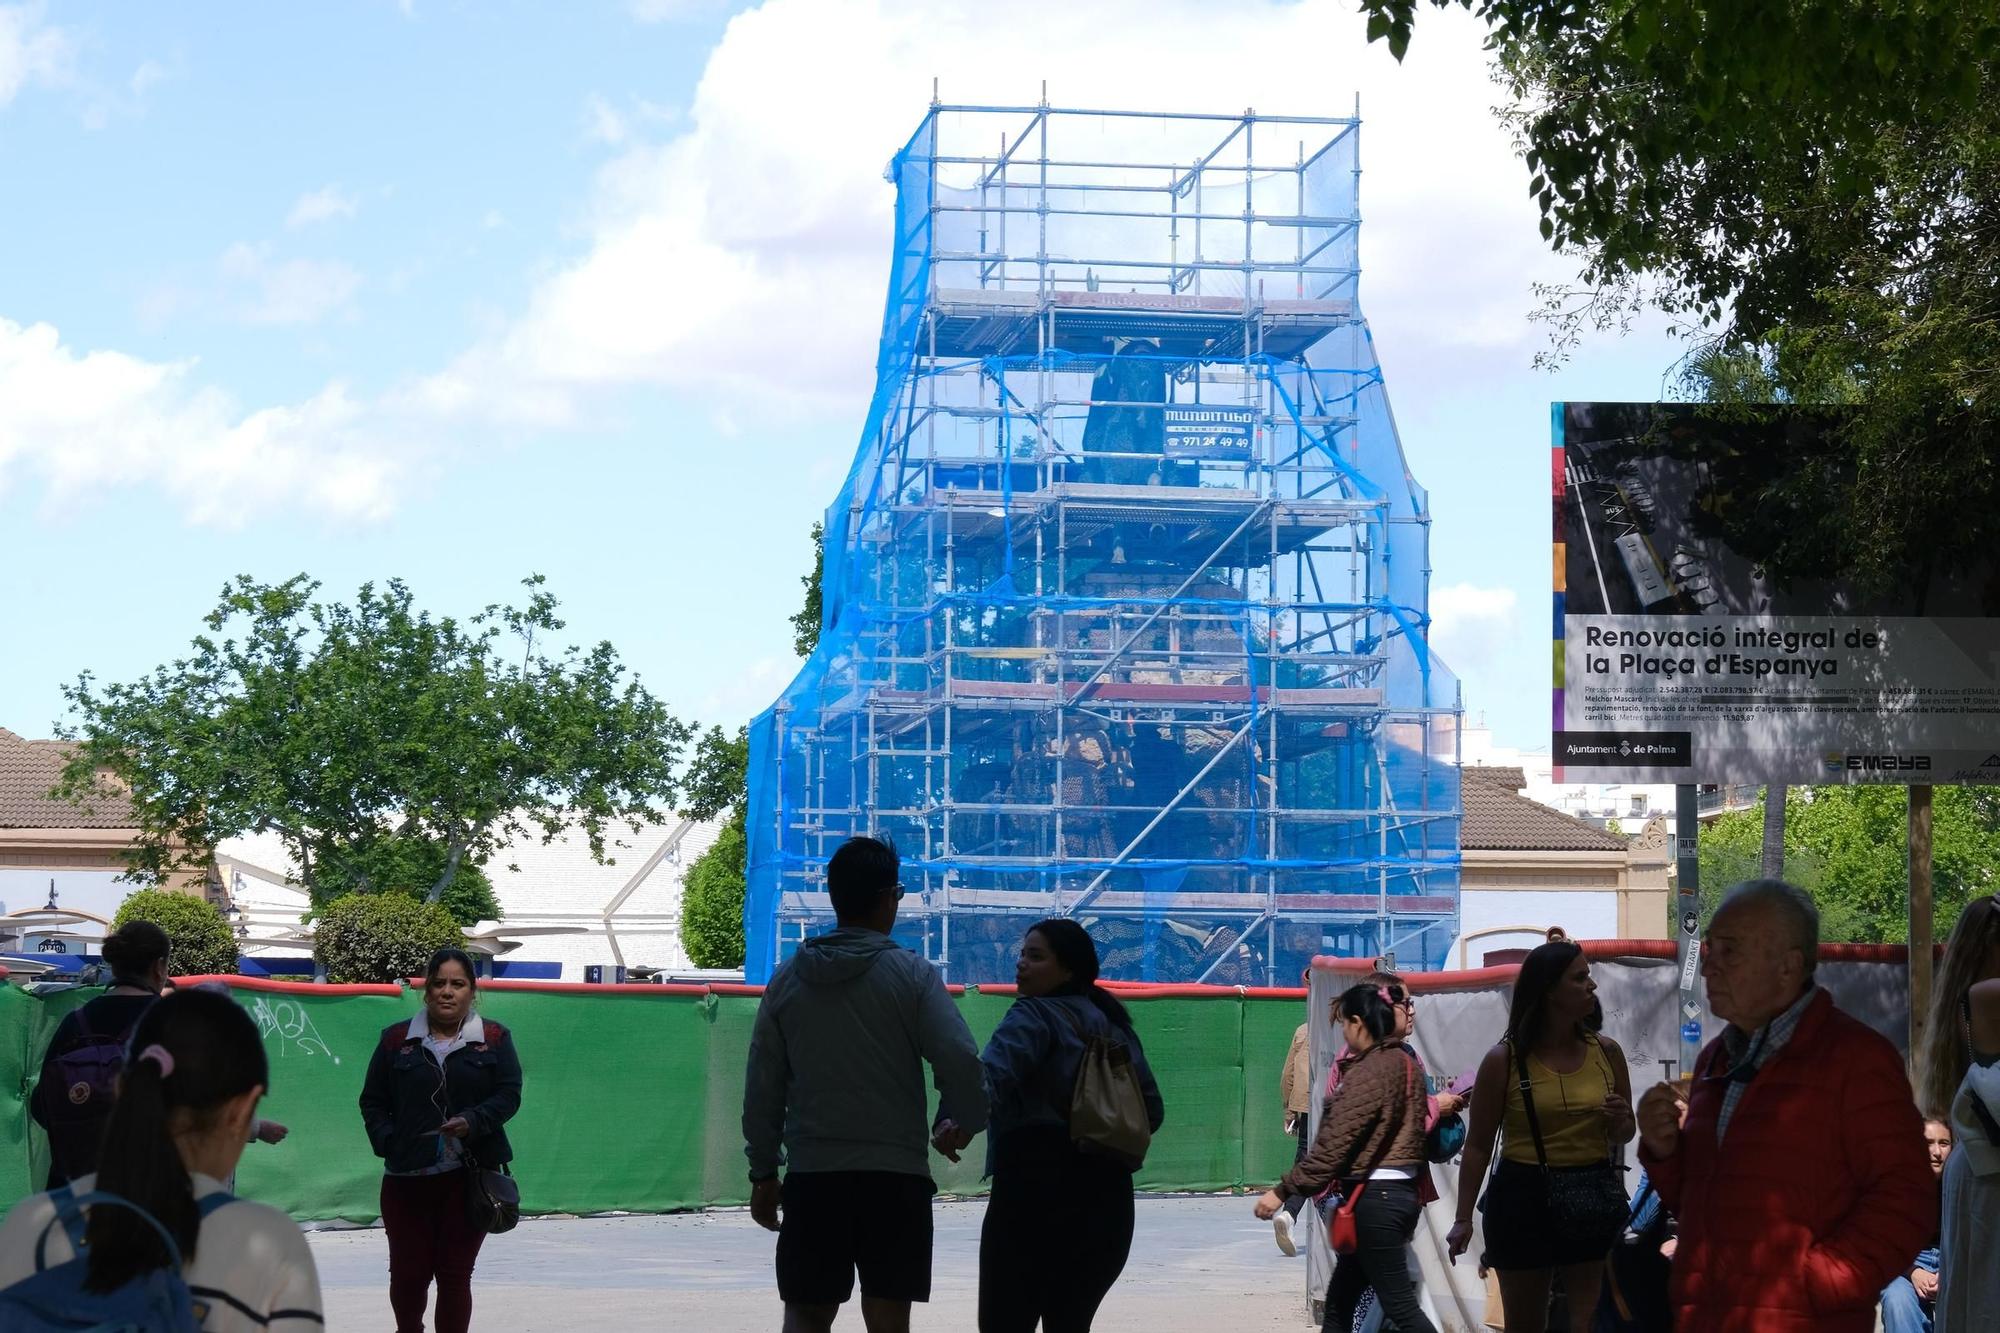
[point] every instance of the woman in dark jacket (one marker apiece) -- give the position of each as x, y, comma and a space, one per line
1059, 1221
440, 1090
80, 1068
1371, 1139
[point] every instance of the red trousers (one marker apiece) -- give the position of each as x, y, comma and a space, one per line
429, 1240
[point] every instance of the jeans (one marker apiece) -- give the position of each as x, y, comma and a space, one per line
430, 1239
1295, 1202
1902, 1310
1385, 1219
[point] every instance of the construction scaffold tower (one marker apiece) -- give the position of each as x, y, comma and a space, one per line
1125, 595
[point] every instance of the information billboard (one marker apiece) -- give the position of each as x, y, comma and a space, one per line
1707, 628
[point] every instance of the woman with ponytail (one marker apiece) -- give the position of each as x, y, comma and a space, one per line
80, 1066
182, 1118
1052, 1196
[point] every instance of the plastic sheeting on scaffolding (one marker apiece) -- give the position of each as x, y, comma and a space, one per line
1125, 594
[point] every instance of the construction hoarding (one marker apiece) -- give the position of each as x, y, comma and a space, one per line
633, 1095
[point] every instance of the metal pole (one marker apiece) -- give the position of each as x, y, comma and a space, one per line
1687, 917
1920, 912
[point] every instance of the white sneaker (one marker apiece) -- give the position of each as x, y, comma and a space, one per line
1282, 1225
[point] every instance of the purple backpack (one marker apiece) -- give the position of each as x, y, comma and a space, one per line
83, 1077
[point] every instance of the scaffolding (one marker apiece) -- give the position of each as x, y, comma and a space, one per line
1125, 595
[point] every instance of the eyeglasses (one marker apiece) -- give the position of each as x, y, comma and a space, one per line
897, 890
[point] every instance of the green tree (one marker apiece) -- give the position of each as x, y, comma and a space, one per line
712, 899
713, 890
805, 624
1814, 189
374, 739
200, 940
1847, 846
380, 937
409, 866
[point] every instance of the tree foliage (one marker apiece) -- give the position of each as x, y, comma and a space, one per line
805, 624
380, 743
409, 866
1814, 188
712, 899
380, 937
1847, 846
200, 941
712, 891
717, 777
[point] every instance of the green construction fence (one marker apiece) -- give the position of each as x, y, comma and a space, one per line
633, 1095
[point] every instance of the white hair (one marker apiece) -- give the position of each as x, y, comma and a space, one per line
1795, 909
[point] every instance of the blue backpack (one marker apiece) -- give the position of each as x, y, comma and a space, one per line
54, 1299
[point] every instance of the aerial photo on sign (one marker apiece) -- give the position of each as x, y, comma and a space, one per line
1708, 628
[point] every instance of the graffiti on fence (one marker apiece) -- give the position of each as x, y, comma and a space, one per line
292, 1025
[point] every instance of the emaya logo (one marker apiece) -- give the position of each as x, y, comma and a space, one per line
1880, 763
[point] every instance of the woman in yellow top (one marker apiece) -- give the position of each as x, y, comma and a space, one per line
1560, 1098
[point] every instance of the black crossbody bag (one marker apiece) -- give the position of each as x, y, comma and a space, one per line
1587, 1199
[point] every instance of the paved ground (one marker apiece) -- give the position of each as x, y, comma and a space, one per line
1197, 1263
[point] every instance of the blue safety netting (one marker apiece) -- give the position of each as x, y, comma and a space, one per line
1125, 594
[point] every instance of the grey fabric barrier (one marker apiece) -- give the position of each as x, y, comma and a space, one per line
1461, 1015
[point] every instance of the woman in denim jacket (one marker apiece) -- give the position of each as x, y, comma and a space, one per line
440, 1090
1059, 1219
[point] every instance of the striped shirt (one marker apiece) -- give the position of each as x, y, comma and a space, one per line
251, 1271
1750, 1052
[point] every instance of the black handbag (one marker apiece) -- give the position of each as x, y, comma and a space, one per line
492, 1199
1583, 1200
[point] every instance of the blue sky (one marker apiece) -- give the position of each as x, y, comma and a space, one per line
460, 292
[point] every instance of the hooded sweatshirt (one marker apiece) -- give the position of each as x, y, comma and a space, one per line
835, 1079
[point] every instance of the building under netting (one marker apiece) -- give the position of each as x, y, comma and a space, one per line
1125, 593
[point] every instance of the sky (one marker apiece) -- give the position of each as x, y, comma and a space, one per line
460, 292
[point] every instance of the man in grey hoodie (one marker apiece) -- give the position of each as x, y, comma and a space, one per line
834, 1091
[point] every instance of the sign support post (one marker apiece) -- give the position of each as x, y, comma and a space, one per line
1687, 920
1921, 920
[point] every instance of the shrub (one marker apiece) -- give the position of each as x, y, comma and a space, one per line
376, 937
712, 900
201, 940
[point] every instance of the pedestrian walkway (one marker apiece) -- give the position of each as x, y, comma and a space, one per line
1197, 1263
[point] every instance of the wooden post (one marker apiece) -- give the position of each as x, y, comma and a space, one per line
1920, 913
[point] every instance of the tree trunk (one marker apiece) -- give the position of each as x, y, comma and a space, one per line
451, 861
1773, 860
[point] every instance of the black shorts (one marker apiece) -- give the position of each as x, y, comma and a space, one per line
1567, 1216
837, 1222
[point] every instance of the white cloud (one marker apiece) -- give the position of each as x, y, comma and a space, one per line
290, 291
32, 52
322, 205
149, 75
1470, 623
747, 691
741, 257
602, 121
672, 11
79, 422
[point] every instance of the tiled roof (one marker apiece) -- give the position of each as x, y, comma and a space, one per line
1499, 819
28, 769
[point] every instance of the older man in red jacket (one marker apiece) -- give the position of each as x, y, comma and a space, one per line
1799, 1179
